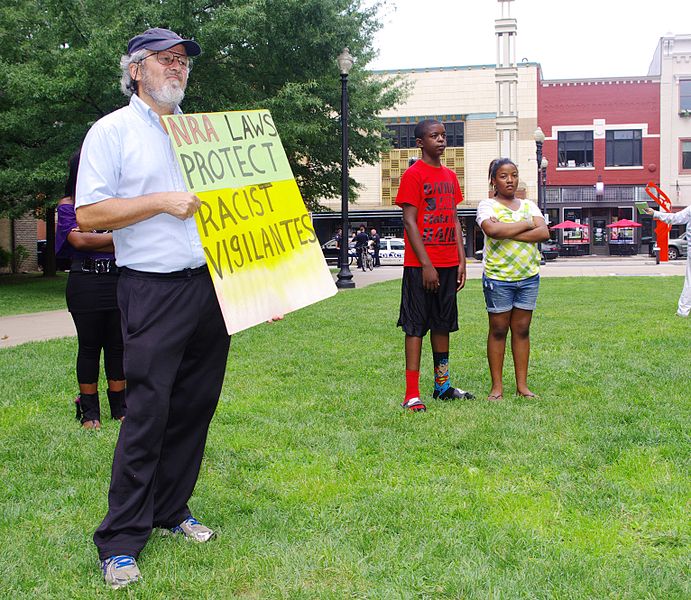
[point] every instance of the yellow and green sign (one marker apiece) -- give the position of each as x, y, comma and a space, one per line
260, 245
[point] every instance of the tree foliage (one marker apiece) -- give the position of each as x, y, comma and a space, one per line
59, 73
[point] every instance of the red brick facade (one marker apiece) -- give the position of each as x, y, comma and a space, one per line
589, 191
632, 102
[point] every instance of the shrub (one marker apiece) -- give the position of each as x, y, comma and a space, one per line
20, 255
5, 258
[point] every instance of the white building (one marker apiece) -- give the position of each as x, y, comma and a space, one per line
672, 64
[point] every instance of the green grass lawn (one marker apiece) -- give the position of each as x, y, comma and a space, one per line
28, 293
320, 487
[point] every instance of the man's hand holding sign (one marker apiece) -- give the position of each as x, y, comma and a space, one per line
258, 238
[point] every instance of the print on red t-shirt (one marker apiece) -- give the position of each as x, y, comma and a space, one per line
435, 192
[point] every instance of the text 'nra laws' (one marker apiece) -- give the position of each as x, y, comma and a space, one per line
216, 164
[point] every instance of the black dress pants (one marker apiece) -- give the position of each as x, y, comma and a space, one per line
176, 349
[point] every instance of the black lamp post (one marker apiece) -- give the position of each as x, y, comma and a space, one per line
539, 139
344, 277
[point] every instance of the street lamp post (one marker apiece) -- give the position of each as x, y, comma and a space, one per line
345, 277
543, 187
539, 139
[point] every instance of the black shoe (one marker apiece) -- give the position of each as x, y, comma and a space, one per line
453, 393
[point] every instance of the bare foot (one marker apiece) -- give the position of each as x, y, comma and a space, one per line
525, 393
95, 425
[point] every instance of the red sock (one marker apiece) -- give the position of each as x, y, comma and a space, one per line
412, 384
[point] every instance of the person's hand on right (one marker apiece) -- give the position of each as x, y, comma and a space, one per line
648, 211
181, 205
430, 279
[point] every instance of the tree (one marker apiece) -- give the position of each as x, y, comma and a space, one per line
53, 69
59, 73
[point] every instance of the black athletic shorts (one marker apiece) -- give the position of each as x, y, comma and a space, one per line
422, 311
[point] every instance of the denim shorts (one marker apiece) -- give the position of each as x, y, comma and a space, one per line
502, 296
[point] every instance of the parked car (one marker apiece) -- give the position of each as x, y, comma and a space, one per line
391, 251
331, 252
61, 264
550, 250
678, 247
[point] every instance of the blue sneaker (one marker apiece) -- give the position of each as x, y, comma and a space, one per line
193, 530
120, 570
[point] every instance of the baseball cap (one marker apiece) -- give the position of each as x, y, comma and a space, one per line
161, 39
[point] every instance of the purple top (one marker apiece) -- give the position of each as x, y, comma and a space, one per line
67, 221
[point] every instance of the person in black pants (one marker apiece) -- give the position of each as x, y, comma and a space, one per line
176, 342
361, 241
376, 245
92, 302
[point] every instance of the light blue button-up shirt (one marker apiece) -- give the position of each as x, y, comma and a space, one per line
128, 154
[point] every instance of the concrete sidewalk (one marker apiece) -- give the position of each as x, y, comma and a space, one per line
20, 329
33, 327
619, 266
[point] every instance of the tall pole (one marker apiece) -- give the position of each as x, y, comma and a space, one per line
345, 277
543, 185
539, 139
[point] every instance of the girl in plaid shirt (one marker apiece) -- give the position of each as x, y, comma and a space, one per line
511, 278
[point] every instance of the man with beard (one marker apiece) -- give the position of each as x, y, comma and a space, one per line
176, 345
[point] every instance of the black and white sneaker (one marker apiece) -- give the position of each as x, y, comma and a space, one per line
453, 393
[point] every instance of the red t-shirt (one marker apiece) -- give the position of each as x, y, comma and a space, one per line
435, 192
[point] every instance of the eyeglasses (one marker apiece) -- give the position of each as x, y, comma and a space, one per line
166, 58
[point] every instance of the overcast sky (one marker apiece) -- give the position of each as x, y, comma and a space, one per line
577, 39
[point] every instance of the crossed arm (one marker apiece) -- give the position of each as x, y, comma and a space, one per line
86, 241
533, 231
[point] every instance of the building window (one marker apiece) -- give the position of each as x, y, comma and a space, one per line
624, 148
403, 135
454, 134
575, 148
685, 94
685, 155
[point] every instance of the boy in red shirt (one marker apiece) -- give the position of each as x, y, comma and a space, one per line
434, 263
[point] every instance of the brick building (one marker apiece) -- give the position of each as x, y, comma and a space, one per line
602, 142
465, 100
20, 232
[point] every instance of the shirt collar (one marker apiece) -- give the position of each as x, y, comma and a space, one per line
143, 110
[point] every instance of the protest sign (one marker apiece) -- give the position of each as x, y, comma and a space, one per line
263, 254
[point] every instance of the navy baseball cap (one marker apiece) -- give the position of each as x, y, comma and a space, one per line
157, 39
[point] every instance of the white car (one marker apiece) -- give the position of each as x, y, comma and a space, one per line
391, 251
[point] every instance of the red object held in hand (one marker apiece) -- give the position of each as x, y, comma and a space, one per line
661, 229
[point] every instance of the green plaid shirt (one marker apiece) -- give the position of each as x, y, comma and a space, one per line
510, 260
